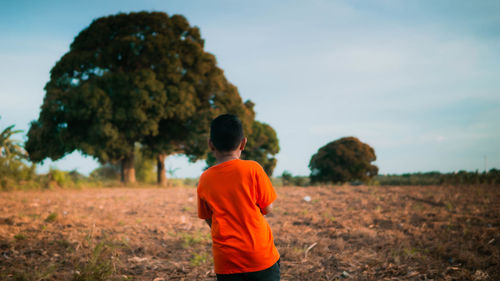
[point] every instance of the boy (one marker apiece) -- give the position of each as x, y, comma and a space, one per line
233, 196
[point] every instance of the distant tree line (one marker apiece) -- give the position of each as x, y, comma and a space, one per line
492, 177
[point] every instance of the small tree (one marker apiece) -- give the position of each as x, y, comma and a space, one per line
343, 160
286, 177
12, 156
10, 148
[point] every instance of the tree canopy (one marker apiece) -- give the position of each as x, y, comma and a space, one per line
342, 160
133, 78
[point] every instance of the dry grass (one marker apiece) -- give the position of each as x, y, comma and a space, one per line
349, 233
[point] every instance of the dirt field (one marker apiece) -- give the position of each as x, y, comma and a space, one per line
345, 233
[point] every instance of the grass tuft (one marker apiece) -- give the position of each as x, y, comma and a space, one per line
199, 259
20, 237
51, 217
43, 274
99, 265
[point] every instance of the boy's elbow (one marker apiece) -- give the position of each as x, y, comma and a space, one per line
268, 209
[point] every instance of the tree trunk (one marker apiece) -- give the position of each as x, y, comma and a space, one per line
160, 169
128, 170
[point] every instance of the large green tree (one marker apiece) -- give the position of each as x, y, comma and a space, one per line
132, 78
343, 160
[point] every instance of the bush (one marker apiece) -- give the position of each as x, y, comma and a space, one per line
106, 172
76, 177
58, 176
288, 179
343, 160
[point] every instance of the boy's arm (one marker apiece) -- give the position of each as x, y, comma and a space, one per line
204, 211
264, 191
267, 209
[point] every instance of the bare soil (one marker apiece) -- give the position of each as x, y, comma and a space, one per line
341, 233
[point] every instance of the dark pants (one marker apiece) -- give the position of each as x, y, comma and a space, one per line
270, 274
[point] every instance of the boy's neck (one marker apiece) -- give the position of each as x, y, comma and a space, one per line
222, 157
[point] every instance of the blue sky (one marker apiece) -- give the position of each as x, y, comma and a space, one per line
417, 80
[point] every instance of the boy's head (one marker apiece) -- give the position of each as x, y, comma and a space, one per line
226, 133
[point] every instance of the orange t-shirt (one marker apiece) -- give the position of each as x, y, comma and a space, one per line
232, 194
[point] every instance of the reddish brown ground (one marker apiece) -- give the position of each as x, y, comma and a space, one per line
352, 233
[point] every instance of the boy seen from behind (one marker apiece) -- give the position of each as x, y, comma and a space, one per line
233, 197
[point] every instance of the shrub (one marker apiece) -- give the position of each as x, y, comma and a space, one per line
343, 160
106, 172
288, 179
60, 177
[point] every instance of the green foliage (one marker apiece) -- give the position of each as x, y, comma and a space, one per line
62, 178
301, 181
10, 148
106, 172
190, 182
101, 97
190, 240
262, 145
346, 159
76, 177
288, 179
144, 166
44, 272
52, 217
14, 172
13, 168
199, 259
492, 177
56, 178
20, 237
430, 178
138, 77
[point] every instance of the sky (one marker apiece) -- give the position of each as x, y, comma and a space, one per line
416, 80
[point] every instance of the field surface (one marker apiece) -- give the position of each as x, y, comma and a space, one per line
342, 232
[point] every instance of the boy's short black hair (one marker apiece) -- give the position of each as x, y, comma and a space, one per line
226, 132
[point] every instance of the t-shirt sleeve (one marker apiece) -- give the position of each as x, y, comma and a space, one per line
204, 211
264, 188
